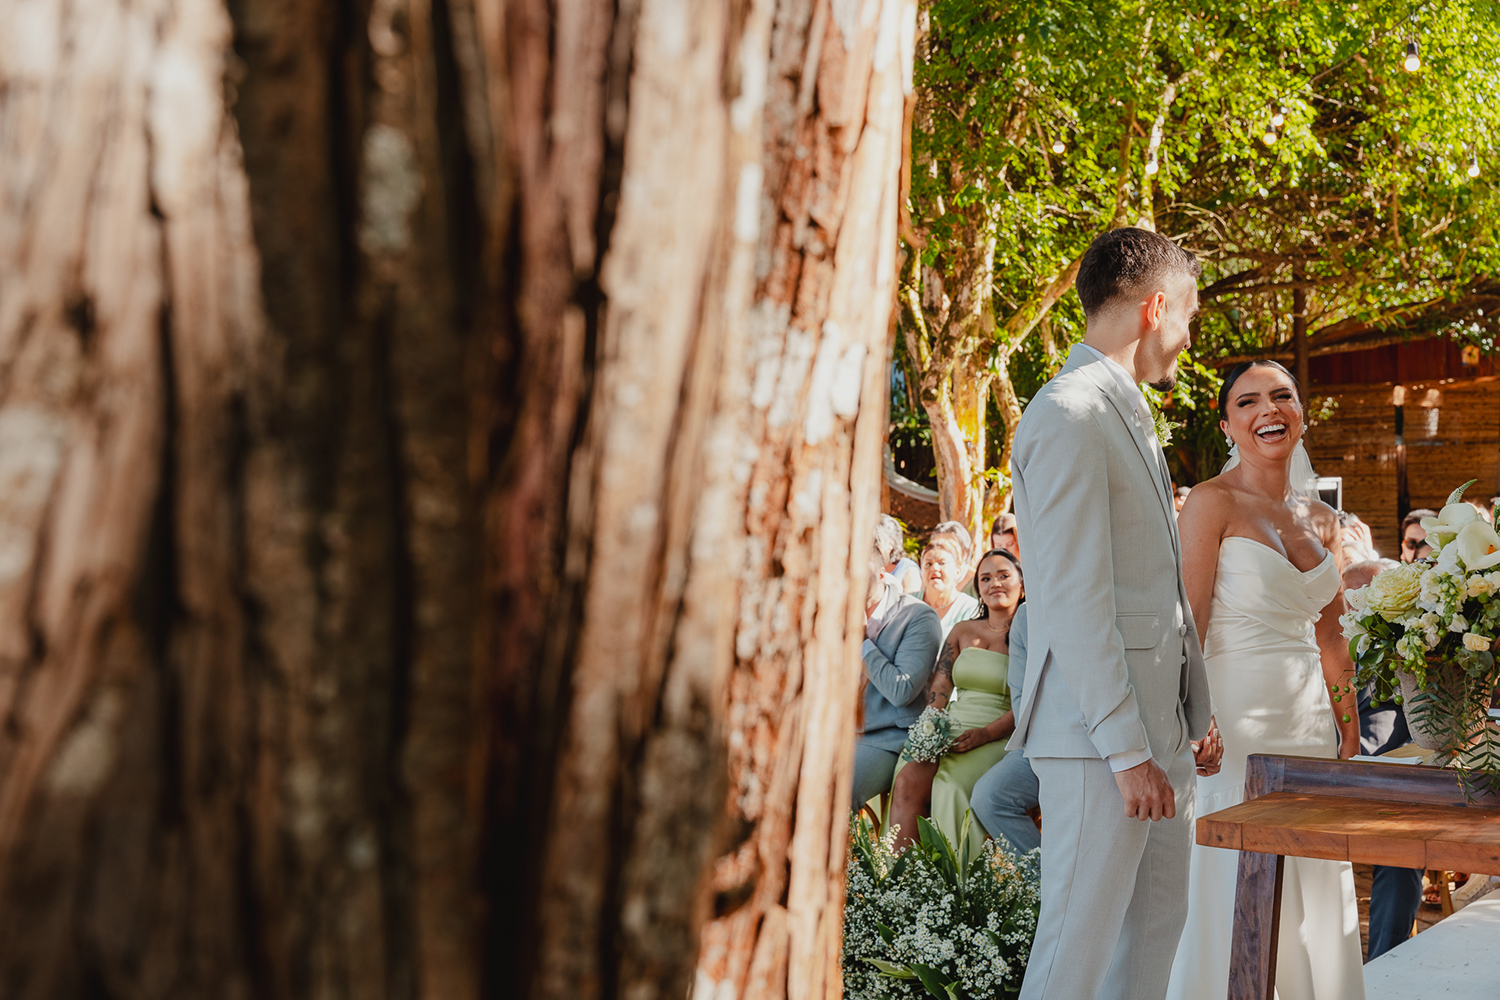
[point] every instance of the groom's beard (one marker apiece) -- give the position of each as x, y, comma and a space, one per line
1164, 385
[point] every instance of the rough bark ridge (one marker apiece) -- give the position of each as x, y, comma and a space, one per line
238, 601
713, 235
362, 363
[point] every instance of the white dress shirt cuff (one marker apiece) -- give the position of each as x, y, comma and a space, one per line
1126, 759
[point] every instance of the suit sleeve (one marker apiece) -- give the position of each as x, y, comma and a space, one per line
902, 677
1015, 674
1066, 516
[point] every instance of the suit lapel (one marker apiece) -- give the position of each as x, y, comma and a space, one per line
1150, 454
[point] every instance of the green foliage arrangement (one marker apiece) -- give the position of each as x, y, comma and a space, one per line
924, 923
1354, 220
1433, 624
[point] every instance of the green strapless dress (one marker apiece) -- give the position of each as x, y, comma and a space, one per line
980, 696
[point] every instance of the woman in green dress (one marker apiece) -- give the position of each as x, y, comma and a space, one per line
970, 681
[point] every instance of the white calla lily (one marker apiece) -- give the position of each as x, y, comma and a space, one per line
1478, 546
1450, 521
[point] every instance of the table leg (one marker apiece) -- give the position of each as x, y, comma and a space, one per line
1257, 919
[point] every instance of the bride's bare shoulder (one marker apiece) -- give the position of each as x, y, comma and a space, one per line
1208, 508
1210, 495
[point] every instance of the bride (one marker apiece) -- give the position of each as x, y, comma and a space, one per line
1261, 565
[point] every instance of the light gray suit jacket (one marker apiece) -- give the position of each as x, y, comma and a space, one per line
899, 661
1112, 654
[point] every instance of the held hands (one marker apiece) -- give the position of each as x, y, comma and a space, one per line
1147, 792
1209, 751
971, 739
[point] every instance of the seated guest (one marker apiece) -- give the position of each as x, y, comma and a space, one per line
943, 562
889, 536
1004, 799
956, 534
1395, 893
1414, 537
971, 682
902, 636
1003, 535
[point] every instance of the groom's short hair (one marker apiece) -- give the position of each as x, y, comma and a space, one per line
1124, 260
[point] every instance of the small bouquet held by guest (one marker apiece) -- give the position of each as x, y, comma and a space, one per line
929, 737
1424, 634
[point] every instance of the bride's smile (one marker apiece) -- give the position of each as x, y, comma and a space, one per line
1265, 414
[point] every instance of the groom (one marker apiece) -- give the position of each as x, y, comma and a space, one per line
1115, 689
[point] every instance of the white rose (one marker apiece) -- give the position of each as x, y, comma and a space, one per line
1394, 592
1479, 586
1450, 521
1478, 546
1476, 642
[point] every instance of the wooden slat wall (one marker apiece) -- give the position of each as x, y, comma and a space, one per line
1452, 436
1359, 443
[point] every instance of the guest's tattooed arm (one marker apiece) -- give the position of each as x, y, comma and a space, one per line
941, 686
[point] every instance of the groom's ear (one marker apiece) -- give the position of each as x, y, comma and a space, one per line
1153, 309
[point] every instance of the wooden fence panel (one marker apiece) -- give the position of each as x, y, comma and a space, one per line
1452, 435
1358, 442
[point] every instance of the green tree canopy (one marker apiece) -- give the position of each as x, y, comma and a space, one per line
1356, 211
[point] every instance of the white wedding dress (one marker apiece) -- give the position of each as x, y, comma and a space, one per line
1269, 697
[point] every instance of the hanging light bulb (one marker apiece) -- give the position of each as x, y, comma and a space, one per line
1270, 136
1151, 166
1413, 60
1473, 164
1278, 115
1057, 146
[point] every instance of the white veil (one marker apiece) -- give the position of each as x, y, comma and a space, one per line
1300, 477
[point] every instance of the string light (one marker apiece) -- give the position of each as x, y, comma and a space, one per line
1151, 166
1270, 136
1058, 146
1473, 164
1413, 60
1278, 115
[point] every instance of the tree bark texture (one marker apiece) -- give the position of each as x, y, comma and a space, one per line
440, 443
241, 585
703, 276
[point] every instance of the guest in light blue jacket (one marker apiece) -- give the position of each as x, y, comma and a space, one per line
902, 636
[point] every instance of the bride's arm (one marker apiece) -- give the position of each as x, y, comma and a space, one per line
1201, 527
1338, 669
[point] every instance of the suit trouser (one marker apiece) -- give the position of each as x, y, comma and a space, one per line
1395, 893
1000, 799
874, 769
1395, 897
1114, 889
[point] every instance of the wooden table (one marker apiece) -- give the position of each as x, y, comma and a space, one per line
1404, 815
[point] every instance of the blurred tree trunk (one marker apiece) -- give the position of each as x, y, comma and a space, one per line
703, 276
240, 586
438, 444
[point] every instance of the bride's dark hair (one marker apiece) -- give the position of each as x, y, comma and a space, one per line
984, 609
1242, 368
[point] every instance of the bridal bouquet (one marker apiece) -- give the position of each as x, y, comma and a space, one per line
924, 923
1424, 633
929, 737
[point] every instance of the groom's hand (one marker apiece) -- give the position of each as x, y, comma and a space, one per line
1147, 792
1208, 753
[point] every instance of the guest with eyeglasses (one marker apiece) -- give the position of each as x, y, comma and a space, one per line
1413, 536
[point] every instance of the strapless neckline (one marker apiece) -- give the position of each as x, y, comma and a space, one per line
1282, 556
